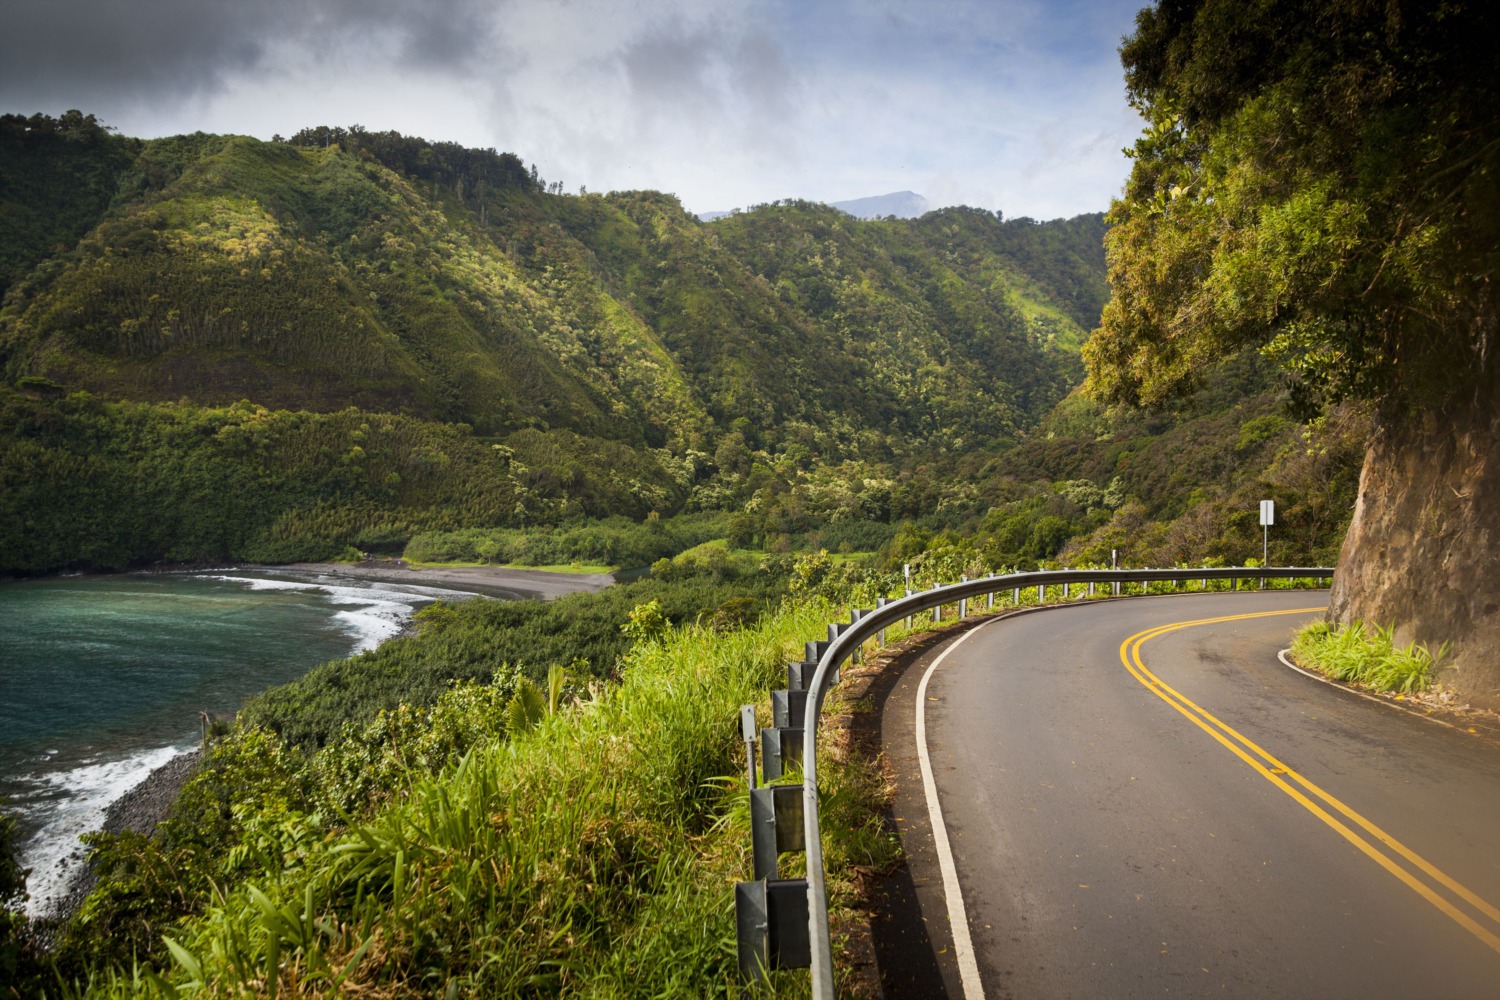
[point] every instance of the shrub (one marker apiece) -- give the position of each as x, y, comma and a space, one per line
1369, 657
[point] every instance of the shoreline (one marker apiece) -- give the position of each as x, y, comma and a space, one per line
149, 802
489, 581
512, 583
139, 810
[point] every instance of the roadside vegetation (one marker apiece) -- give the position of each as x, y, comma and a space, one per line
480, 640
1367, 656
448, 360
512, 828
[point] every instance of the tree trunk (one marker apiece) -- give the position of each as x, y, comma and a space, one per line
1423, 549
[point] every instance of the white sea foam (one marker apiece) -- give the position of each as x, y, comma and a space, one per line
71, 803
383, 608
374, 623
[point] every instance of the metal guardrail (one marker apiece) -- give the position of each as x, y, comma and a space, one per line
844, 640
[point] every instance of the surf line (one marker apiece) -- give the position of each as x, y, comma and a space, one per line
1282, 776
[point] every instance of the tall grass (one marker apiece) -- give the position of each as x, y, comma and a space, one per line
1368, 656
592, 855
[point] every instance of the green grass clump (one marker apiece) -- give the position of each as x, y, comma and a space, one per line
1369, 657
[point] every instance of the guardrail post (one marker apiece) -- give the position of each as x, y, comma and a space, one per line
788, 709
963, 602
771, 924
780, 747
747, 733
775, 826
855, 616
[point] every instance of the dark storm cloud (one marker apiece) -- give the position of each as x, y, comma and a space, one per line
150, 50
667, 69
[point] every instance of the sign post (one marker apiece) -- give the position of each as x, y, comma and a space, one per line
1267, 518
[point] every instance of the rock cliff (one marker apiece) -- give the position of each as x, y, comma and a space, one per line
1423, 549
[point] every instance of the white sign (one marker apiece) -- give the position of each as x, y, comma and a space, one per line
1268, 512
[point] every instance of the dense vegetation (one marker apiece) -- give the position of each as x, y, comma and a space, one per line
1324, 184
1321, 180
109, 485
516, 828
352, 342
381, 271
515, 357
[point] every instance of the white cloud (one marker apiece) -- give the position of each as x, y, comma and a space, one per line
1014, 106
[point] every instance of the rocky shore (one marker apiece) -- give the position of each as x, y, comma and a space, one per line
148, 803
138, 810
492, 581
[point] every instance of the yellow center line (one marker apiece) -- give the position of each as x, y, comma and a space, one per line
1277, 772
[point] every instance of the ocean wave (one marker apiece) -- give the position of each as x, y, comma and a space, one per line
384, 608
374, 623
70, 803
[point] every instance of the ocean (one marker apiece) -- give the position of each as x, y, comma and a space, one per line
102, 679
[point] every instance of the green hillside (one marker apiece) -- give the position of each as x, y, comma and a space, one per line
374, 270
625, 356
217, 348
223, 348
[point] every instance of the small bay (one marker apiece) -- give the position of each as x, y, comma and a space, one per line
102, 679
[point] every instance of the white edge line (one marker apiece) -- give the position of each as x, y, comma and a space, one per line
1287, 661
958, 919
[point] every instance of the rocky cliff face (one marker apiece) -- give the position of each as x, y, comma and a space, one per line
1423, 549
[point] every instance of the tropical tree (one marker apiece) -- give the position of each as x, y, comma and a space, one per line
1322, 180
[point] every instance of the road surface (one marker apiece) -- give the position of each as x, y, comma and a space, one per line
1136, 812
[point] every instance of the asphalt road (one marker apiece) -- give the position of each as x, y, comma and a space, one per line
1186, 816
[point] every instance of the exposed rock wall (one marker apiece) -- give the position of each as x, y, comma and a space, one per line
1423, 549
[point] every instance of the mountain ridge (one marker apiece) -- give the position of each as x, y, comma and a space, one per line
897, 204
381, 271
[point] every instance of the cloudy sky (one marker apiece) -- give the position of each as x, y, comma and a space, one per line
1015, 105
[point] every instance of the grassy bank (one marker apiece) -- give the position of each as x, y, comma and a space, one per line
1366, 656
589, 850
478, 809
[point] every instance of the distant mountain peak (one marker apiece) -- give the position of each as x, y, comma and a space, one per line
901, 204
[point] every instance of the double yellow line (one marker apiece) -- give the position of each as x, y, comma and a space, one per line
1389, 854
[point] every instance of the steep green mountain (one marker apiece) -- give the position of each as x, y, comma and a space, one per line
220, 347
230, 268
57, 178
379, 271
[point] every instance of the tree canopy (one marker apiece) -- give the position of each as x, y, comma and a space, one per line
1319, 179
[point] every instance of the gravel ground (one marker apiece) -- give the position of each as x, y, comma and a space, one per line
492, 580
139, 809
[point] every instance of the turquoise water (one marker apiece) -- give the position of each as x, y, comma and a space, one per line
102, 679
